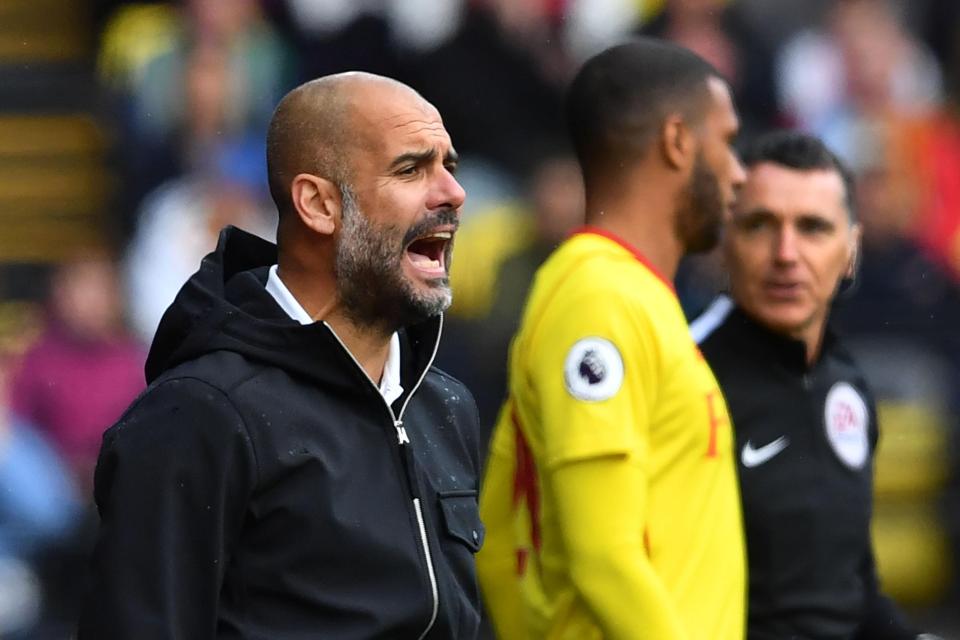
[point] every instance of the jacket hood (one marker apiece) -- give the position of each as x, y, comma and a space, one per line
225, 306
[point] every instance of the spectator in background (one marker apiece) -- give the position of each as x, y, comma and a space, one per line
217, 74
899, 289
862, 68
39, 509
226, 63
517, 53
926, 160
498, 80
716, 30
180, 222
84, 369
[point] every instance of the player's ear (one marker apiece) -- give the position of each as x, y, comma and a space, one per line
317, 202
677, 143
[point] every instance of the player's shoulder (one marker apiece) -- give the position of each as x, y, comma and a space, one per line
591, 269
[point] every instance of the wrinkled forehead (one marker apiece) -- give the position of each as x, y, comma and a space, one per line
393, 118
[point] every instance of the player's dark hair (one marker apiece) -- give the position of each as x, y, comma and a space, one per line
620, 98
803, 152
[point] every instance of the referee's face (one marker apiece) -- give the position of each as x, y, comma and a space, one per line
788, 245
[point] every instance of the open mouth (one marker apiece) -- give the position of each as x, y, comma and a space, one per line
428, 253
782, 290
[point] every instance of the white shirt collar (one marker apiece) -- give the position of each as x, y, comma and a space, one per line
390, 387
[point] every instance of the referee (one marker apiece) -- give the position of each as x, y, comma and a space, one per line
804, 418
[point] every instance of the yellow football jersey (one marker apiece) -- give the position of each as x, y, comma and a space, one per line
604, 368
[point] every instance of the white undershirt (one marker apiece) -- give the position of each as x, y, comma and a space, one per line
390, 387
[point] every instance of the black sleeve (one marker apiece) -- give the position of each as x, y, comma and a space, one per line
171, 487
882, 620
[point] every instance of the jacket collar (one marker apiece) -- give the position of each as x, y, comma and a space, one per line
225, 306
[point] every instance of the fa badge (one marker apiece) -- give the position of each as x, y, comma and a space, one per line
593, 370
846, 418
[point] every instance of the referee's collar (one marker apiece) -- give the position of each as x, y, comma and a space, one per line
792, 352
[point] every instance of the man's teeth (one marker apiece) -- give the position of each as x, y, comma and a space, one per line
443, 235
424, 261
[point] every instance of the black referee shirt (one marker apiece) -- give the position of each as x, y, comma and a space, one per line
805, 437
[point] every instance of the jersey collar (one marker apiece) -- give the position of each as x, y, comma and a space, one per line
642, 259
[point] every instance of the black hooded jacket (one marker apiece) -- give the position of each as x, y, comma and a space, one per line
262, 488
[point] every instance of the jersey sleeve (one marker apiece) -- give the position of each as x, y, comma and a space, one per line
593, 371
608, 561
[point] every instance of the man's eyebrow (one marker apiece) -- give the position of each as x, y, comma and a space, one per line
451, 157
813, 216
416, 157
756, 212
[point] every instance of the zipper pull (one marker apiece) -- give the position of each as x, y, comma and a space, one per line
402, 437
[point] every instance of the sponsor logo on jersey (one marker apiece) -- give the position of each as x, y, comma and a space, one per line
593, 370
751, 457
846, 420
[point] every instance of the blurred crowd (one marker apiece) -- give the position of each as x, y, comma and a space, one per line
187, 88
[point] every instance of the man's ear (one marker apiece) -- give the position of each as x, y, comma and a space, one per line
677, 143
316, 201
853, 264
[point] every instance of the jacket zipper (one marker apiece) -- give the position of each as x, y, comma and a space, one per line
406, 456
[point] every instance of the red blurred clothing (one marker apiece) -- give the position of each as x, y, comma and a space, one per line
938, 163
73, 389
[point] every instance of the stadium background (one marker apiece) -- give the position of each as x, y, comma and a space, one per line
130, 132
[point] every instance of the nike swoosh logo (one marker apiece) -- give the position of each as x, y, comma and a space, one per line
751, 457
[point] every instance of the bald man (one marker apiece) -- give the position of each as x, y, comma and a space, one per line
297, 467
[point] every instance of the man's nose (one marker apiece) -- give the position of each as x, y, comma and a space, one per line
446, 192
786, 248
738, 175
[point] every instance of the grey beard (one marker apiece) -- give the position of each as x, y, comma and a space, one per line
371, 284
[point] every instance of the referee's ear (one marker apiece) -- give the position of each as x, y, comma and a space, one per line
848, 283
853, 249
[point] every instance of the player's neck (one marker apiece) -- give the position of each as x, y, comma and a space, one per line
641, 223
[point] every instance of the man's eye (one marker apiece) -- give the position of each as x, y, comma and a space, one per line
451, 168
814, 226
407, 171
754, 224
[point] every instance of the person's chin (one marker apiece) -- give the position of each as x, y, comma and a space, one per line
784, 318
432, 296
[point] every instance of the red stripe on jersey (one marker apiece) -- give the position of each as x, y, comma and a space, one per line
522, 555
525, 485
626, 245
